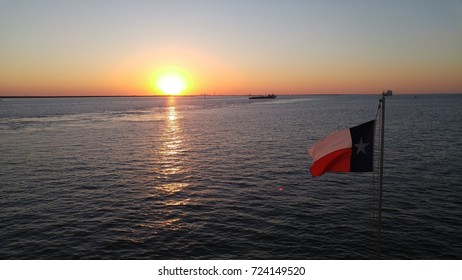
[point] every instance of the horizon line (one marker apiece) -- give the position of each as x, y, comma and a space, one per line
209, 95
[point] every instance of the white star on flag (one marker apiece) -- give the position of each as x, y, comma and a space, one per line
361, 147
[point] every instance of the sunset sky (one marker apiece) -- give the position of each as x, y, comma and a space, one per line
230, 47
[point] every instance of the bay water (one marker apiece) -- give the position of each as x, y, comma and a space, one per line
224, 178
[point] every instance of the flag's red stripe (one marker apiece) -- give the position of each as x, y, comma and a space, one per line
337, 161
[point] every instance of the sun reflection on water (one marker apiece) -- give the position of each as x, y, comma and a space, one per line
173, 149
170, 166
172, 113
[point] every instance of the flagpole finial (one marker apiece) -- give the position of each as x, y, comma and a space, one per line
387, 93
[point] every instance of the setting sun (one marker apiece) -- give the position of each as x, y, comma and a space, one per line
171, 84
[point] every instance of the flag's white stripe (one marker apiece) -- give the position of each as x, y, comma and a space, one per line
335, 141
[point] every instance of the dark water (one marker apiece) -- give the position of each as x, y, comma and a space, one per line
223, 178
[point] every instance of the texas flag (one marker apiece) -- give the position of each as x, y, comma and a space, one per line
346, 150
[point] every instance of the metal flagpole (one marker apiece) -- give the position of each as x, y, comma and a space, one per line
382, 140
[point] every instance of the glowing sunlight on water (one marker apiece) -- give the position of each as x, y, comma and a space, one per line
170, 166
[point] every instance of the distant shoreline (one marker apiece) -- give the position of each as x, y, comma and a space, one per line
94, 96
202, 95
149, 96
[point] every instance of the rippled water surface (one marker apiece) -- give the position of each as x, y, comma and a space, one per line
224, 178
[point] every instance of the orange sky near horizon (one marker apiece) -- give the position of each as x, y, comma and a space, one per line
256, 47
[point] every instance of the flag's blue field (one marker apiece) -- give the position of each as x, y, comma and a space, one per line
224, 178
